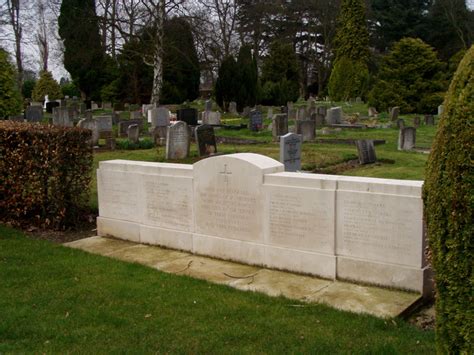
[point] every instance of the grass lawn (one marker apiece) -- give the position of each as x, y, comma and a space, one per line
60, 300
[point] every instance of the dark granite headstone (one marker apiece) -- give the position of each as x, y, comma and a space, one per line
50, 105
366, 151
34, 113
206, 140
255, 120
188, 115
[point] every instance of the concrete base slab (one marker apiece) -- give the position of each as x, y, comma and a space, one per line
346, 296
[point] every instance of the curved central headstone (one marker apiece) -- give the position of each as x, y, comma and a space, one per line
228, 195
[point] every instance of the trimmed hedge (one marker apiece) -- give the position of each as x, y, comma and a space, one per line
45, 172
448, 196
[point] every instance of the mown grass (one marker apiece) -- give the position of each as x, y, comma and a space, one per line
60, 300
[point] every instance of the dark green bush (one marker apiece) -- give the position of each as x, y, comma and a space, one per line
45, 173
125, 144
448, 196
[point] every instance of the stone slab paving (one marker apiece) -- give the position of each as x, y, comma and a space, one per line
380, 302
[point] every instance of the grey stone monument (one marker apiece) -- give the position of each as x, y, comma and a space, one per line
212, 118
233, 108
279, 126
334, 115
394, 112
290, 151
177, 141
406, 138
206, 140
91, 123
133, 132
61, 117
400, 123
429, 120
34, 113
440, 110
366, 151
307, 130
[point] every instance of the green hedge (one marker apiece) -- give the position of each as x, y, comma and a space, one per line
449, 204
45, 172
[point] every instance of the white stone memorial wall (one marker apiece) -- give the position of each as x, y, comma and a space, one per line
244, 207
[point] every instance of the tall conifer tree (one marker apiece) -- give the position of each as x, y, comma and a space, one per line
83, 51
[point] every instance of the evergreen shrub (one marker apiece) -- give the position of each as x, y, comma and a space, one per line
448, 195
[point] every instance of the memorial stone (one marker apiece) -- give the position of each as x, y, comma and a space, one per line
290, 151
318, 119
372, 112
406, 138
107, 105
301, 114
177, 141
440, 110
270, 113
307, 130
135, 115
279, 126
133, 132
61, 116
91, 123
358, 100
292, 113
34, 113
233, 108
123, 125
212, 118
246, 111
188, 115
50, 105
36, 103
334, 115
208, 106
94, 106
394, 112
429, 120
322, 110
255, 120
366, 151
206, 140
104, 123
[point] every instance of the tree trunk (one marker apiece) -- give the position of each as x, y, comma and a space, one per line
158, 55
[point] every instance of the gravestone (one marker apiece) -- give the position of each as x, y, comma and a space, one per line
61, 117
246, 111
394, 112
283, 109
82, 108
307, 130
158, 134
366, 151
36, 103
406, 138
289, 105
292, 113
145, 109
50, 105
94, 106
416, 122
135, 115
159, 117
104, 123
358, 100
177, 141
212, 118
290, 151
301, 114
205, 140
279, 126
429, 120
270, 113
334, 115
34, 113
91, 123
440, 110
255, 120
208, 106
400, 123
188, 115
107, 105
123, 125
133, 132
233, 108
